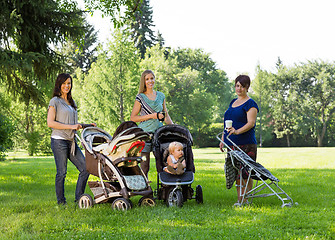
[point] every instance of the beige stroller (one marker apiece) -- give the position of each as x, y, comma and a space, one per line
115, 161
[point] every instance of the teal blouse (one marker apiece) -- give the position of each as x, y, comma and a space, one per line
156, 105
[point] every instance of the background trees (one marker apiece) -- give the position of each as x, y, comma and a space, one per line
300, 103
141, 28
107, 92
28, 31
39, 39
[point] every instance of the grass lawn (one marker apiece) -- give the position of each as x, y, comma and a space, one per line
29, 211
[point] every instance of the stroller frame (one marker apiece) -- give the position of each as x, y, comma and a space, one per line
254, 172
111, 185
175, 189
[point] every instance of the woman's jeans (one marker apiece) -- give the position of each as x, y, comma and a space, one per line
61, 150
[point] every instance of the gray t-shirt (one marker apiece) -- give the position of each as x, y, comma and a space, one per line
64, 114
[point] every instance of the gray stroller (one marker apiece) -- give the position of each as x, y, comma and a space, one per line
266, 184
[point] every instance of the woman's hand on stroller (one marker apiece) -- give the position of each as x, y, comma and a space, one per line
84, 125
221, 145
77, 126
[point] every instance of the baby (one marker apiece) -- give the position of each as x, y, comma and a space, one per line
175, 161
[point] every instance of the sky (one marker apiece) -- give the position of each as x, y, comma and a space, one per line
241, 34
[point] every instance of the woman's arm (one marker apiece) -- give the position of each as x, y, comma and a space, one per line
137, 118
57, 125
251, 117
167, 119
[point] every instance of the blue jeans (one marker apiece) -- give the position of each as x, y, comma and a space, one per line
62, 151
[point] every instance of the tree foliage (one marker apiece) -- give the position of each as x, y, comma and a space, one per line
107, 93
6, 130
83, 55
141, 28
120, 11
300, 101
28, 31
315, 90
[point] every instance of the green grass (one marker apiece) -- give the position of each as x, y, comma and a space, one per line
29, 211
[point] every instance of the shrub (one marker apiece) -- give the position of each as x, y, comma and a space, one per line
207, 136
6, 130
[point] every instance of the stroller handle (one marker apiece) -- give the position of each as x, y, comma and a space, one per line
84, 125
226, 145
234, 144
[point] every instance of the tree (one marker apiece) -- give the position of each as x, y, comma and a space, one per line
141, 31
315, 88
112, 8
107, 93
160, 39
6, 130
84, 55
189, 98
28, 31
283, 103
261, 92
211, 80
300, 102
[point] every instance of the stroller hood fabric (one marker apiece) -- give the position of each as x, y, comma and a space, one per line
170, 133
92, 135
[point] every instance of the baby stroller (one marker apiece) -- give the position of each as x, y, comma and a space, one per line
174, 189
242, 163
115, 161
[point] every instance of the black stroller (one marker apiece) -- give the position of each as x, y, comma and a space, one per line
266, 184
175, 189
115, 161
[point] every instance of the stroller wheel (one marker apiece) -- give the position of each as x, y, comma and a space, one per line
85, 201
121, 204
146, 201
175, 198
286, 205
198, 194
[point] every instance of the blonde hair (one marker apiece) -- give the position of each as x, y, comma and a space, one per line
174, 145
142, 88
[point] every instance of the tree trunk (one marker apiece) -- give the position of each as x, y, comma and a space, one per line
322, 134
288, 140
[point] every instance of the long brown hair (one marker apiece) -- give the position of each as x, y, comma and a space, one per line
61, 78
142, 88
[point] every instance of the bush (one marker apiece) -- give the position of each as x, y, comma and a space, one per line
207, 136
6, 130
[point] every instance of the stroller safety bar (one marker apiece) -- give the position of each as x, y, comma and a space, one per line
264, 179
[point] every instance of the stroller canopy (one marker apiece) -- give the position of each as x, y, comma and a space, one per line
173, 132
92, 135
128, 132
167, 134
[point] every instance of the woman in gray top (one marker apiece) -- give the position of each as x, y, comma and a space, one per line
63, 119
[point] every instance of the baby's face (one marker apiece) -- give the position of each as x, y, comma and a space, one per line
178, 152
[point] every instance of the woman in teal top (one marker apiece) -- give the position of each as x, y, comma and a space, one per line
149, 109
